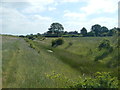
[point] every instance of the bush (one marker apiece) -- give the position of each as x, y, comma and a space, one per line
57, 42
105, 44
101, 56
105, 49
99, 80
31, 44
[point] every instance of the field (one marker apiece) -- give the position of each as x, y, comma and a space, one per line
26, 63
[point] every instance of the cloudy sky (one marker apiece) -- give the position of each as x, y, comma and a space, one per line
36, 16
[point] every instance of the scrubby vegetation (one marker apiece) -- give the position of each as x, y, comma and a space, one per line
105, 44
105, 49
98, 80
57, 42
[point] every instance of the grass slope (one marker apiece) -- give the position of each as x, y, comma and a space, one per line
26, 64
24, 67
81, 54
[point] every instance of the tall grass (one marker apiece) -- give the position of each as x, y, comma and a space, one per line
28, 69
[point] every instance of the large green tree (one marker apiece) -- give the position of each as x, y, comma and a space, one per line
96, 29
56, 28
104, 31
99, 30
84, 31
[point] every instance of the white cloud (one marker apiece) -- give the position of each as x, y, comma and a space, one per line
108, 22
76, 20
31, 20
13, 0
16, 23
78, 24
40, 18
70, 0
119, 14
29, 6
34, 9
74, 15
51, 8
100, 6
37, 6
40, 1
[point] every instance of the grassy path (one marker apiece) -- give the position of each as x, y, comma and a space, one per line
24, 67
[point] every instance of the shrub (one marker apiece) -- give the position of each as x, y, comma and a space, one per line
99, 80
57, 42
101, 56
32, 46
105, 44
30, 42
105, 49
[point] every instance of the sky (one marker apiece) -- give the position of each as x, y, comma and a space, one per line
21, 17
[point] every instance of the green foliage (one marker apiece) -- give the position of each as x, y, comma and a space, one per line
104, 49
90, 34
99, 31
55, 28
60, 78
57, 42
105, 44
104, 31
70, 35
99, 80
31, 36
96, 29
32, 44
102, 55
114, 31
84, 31
114, 60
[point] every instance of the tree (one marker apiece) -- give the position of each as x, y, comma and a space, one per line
31, 36
56, 28
84, 31
65, 32
90, 34
104, 31
99, 31
73, 32
113, 31
96, 29
38, 34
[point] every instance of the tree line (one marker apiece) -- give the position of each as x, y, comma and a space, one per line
57, 30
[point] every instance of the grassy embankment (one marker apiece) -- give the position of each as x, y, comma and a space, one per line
26, 64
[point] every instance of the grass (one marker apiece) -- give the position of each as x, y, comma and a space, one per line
27, 68
25, 63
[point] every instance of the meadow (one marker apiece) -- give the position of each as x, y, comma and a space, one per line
28, 63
